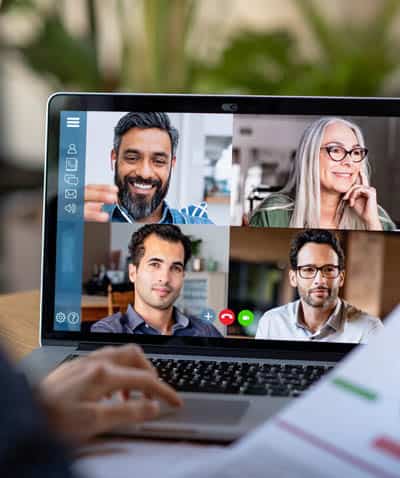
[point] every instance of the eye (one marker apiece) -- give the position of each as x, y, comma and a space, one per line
154, 265
159, 161
131, 157
336, 149
177, 268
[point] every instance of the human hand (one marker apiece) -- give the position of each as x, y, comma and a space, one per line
73, 393
96, 195
362, 198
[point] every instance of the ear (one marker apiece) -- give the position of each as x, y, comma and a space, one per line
293, 278
132, 273
173, 162
113, 159
341, 275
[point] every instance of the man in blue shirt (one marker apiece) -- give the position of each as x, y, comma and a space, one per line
143, 157
159, 254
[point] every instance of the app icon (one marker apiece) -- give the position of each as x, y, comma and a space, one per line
71, 164
208, 314
60, 317
72, 149
73, 122
245, 317
70, 208
226, 316
71, 179
71, 194
73, 318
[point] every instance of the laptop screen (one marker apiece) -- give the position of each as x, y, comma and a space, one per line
209, 225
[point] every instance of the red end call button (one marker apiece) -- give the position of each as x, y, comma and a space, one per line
226, 316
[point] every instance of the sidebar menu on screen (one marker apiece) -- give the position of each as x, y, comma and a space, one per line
70, 221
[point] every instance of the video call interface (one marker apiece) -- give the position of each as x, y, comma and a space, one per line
259, 227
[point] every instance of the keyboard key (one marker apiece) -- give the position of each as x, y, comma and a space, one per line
238, 378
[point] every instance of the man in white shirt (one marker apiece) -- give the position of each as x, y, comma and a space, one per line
317, 271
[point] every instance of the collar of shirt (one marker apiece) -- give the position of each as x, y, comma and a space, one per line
335, 322
135, 320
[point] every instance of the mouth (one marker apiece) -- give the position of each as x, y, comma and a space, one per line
162, 291
342, 175
138, 187
319, 291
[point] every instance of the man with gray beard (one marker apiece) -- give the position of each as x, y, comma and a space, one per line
317, 271
143, 157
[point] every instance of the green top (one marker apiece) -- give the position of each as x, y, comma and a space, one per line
277, 209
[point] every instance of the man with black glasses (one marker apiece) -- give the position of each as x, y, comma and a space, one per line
317, 271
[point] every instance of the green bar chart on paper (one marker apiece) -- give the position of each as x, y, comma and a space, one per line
358, 390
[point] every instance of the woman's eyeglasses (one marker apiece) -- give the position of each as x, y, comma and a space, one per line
338, 153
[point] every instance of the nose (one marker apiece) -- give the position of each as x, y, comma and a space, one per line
347, 160
145, 170
163, 275
319, 278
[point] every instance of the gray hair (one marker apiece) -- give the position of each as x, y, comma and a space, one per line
145, 121
304, 184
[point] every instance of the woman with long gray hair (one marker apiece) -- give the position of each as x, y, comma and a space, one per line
330, 187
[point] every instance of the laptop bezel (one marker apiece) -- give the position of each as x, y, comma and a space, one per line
262, 105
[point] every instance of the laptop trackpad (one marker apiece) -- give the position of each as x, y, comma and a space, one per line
206, 411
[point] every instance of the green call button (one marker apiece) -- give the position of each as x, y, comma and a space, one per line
245, 317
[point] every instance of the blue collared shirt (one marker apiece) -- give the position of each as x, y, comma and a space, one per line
192, 214
132, 323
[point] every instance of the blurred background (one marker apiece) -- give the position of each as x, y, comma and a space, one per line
303, 47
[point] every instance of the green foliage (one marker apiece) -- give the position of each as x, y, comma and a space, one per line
67, 59
9, 5
353, 57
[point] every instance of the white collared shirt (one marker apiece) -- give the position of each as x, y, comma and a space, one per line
345, 324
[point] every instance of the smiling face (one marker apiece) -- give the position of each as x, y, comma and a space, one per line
143, 170
338, 176
158, 278
317, 292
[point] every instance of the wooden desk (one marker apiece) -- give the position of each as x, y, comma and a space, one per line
19, 322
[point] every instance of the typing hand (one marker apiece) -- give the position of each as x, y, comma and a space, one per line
96, 195
73, 393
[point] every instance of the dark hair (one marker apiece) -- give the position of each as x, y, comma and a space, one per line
317, 236
145, 121
167, 232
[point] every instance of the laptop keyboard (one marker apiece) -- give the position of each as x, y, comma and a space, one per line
238, 377
245, 378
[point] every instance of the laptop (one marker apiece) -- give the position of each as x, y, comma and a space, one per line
239, 345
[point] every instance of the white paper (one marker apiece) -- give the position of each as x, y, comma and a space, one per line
348, 425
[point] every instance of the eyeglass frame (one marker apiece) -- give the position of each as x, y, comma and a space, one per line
318, 269
346, 151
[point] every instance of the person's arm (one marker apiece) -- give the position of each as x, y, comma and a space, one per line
263, 328
74, 395
27, 448
105, 327
374, 329
259, 219
214, 332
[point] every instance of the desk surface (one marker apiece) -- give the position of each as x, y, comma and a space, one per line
19, 322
